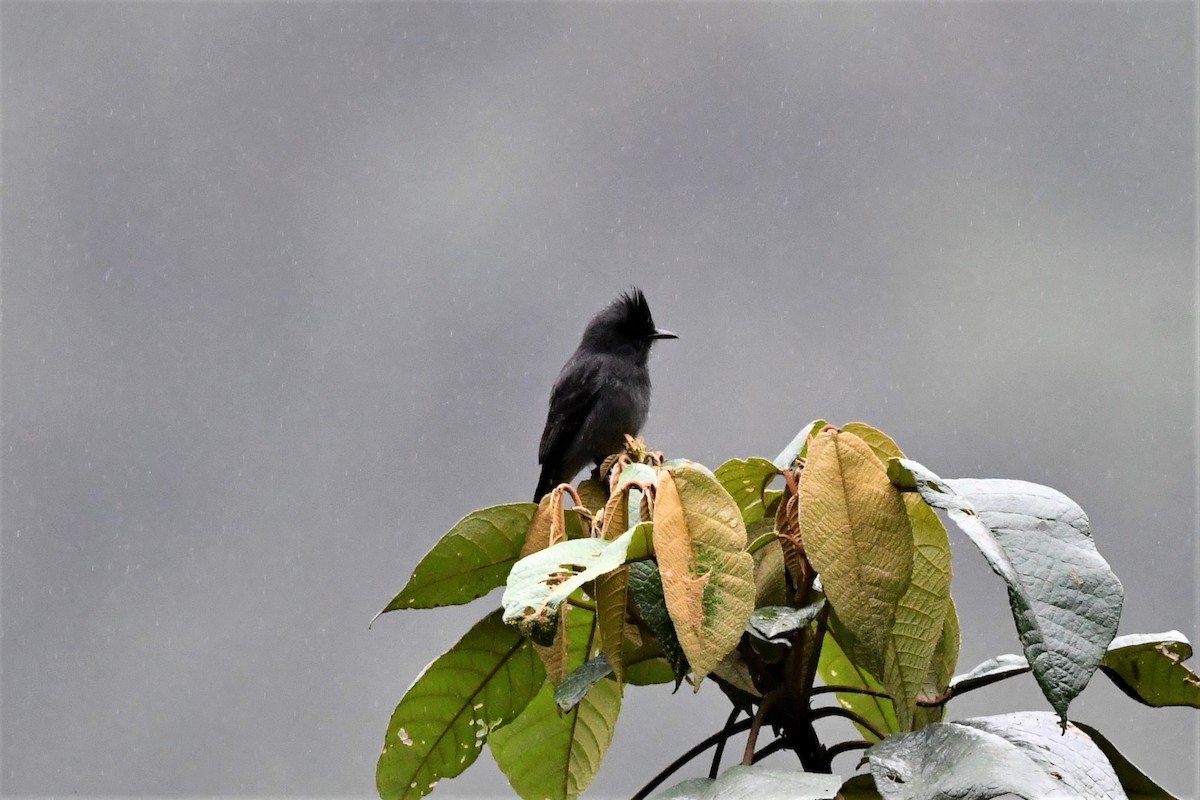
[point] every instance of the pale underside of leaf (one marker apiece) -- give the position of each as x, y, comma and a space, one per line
708, 578
1065, 599
858, 537
541, 582
1025, 754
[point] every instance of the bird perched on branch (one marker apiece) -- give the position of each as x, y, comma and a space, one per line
602, 393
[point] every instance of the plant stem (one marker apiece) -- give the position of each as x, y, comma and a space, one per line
720, 751
838, 711
940, 700
845, 747
774, 747
756, 724
851, 690
674, 766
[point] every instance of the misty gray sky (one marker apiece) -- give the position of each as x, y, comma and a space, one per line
285, 288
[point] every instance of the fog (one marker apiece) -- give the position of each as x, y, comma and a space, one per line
285, 288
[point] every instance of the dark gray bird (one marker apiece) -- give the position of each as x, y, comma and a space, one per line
602, 393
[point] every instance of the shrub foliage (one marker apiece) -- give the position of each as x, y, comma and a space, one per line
816, 584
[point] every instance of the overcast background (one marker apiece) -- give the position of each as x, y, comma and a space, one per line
285, 288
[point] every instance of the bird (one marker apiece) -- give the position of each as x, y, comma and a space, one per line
602, 392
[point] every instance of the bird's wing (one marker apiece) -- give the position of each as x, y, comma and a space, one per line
570, 403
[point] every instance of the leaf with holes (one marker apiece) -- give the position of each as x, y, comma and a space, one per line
545, 753
1149, 668
542, 581
440, 725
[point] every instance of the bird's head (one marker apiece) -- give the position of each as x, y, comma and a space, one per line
624, 326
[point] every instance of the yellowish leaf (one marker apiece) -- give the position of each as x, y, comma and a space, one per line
612, 589
549, 528
921, 612
941, 670
918, 630
858, 537
708, 578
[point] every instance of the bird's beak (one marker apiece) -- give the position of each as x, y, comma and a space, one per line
663, 335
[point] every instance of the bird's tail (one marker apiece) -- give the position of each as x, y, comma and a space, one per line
546, 482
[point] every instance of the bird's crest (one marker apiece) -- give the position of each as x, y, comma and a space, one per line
636, 311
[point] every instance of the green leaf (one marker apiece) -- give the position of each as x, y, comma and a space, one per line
645, 583
469, 561
798, 446
440, 725
650, 672
545, 753
571, 691
919, 635
920, 612
836, 669
1149, 668
941, 671
707, 575
745, 480
860, 787
776, 622
539, 583
732, 675
760, 541
756, 781
1026, 754
880, 443
770, 576
1065, 599
858, 536
1137, 785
